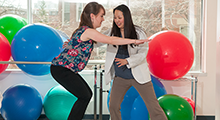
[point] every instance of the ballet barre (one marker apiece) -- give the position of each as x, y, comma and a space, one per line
23, 62
90, 62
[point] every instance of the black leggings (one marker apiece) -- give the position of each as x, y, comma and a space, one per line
76, 85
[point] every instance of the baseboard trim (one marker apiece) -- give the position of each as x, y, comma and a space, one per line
86, 117
205, 117
107, 117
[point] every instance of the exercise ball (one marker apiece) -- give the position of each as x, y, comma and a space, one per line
139, 110
191, 102
63, 35
159, 88
5, 52
127, 102
21, 102
10, 25
36, 43
170, 55
58, 103
1, 97
176, 107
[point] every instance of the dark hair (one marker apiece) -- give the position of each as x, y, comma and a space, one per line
129, 28
85, 19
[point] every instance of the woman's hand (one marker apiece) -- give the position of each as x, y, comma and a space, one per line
137, 42
121, 62
66, 43
146, 40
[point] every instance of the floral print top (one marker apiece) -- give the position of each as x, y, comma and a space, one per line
76, 54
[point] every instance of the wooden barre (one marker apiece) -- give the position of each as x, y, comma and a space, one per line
91, 62
22, 62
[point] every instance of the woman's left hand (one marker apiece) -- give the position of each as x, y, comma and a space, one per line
66, 43
137, 42
121, 62
147, 40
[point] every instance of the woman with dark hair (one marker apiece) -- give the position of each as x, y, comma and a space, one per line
127, 66
77, 51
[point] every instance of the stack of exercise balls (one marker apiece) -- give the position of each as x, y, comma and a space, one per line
170, 57
31, 43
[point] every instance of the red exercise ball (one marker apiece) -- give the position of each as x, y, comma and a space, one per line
191, 102
5, 52
170, 55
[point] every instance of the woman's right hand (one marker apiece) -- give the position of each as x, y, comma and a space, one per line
66, 43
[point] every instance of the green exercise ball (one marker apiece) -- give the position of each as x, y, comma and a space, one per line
58, 103
10, 25
176, 107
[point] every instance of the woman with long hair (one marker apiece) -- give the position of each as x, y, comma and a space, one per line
126, 65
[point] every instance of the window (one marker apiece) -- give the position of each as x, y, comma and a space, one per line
152, 15
13, 7
66, 12
79, 9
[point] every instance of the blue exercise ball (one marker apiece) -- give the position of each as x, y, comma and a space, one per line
139, 110
127, 102
36, 43
159, 88
21, 102
63, 35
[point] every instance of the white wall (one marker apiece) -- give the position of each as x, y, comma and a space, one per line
217, 112
207, 84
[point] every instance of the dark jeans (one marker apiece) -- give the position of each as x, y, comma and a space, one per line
76, 85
